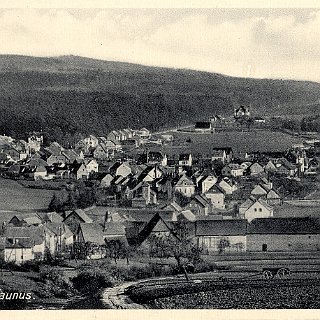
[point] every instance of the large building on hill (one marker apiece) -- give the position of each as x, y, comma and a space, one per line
242, 112
203, 126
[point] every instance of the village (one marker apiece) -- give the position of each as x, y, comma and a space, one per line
231, 204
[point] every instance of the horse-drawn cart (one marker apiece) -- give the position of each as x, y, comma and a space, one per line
272, 272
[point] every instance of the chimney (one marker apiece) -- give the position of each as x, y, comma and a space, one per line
107, 219
146, 193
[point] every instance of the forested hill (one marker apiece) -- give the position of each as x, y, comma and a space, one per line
70, 94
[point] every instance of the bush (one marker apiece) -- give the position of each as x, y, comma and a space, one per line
31, 266
91, 281
203, 266
51, 274
122, 273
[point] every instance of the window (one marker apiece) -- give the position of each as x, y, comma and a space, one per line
260, 210
255, 209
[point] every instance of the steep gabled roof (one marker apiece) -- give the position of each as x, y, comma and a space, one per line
184, 181
37, 163
202, 200
28, 218
81, 214
187, 214
112, 228
272, 194
261, 188
172, 205
184, 156
22, 243
35, 233
248, 203
215, 189
92, 232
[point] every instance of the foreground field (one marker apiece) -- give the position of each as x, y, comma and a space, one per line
233, 289
14, 197
274, 297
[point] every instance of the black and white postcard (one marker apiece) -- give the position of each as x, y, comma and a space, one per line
159, 158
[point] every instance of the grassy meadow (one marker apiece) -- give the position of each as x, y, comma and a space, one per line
15, 197
240, 142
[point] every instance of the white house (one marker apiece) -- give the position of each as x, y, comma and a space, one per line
208, 182
91, 141
185, 160
91, 165
228, 186
254, 208
216, 196
185, 186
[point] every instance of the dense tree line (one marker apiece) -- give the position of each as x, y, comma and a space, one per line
86, 96
82, 194
307, 124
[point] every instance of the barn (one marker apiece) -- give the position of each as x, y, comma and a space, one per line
203, 126
284, 234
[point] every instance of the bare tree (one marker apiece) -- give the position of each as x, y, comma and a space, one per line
177, 244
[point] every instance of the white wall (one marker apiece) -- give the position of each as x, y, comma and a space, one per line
283, 242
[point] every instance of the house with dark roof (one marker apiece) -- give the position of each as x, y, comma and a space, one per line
185, 159
203, 126
74, 218
144, 195
232, 169
79, 171
200, 205
29, 242
150, 174
256, 169
71, 155
206, 182
224, 154
266, 192
18, 250
185, 186
228, 185
25, 219
150, 157
284, 234
254, 208
120, 169
221, 235
96, 234
241, 112
217, 196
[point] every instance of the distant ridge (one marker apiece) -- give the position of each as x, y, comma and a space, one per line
72, 94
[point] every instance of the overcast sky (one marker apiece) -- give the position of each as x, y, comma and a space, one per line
262, 43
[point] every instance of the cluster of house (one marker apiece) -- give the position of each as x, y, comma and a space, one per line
30, 159
242, 113
33, 236
26, 237
224, 199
